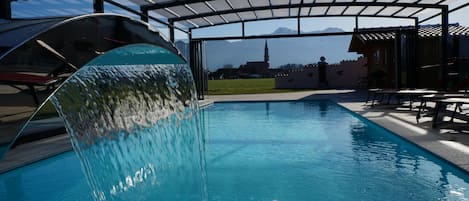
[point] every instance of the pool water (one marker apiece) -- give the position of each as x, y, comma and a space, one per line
280, 151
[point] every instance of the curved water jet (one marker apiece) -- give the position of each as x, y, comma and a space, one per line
131, 112
36, 56
132, 116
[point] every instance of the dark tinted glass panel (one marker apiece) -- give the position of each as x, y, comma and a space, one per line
32, 71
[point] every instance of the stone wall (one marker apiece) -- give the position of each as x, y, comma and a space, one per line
346, 74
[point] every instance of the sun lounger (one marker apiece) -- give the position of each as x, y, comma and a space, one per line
381, 94
370, 94
412, 94
29, 80
424, 99
443, 103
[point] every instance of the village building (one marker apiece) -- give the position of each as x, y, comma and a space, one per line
419, 62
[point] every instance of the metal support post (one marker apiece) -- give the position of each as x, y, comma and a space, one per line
444, 48
356, 23
196, 64
5, 9
243, 33
171, 31
416, 63
299, 25
98, 6
398, 59
144, 16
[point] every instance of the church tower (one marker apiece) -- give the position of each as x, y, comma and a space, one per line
266, 53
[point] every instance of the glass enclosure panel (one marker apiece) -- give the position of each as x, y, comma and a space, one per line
428, 12
305, 11
216, 19
373, 22
247, 15
182, 43
269, 27
281, 12
109, 8
218, 31
49, 8
258, 3
371, 10
330, 24
194, 25
181, 10
240, 3
353, 10
280, 2
295, 1
200, 7
336, 10
142, 2
460, 16
219, 5
200, 21
294, 11
183, 24
12, 33
264, 13
31, 72
163, 13
454, 3
389, 10
407, 12
429, 1
318, 10
231, 17
127, 3
407, 1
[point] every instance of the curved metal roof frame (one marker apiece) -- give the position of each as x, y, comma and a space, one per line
206, 13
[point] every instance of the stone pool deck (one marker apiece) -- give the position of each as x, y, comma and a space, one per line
449, 141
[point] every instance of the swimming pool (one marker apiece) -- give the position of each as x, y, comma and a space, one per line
297, 150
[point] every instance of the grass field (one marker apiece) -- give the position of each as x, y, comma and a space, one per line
244, 86
215, 87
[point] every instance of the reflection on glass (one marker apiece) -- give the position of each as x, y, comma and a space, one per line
30, 72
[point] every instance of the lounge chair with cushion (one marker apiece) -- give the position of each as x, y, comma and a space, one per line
411, 94
442, 104
424, 99
29, 80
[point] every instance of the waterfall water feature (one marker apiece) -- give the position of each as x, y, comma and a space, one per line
132, 117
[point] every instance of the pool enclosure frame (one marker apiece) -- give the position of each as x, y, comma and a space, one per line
183, 12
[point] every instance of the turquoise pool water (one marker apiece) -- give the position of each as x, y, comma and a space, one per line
282, 151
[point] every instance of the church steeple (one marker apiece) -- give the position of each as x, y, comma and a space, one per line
266, 53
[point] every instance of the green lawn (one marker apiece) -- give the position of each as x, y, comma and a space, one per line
215, 87
244, 86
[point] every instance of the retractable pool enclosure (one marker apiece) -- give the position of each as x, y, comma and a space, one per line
186, 16
17, 35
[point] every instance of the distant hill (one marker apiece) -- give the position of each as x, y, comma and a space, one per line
282, 50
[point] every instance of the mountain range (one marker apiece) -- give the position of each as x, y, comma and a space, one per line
303, 50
